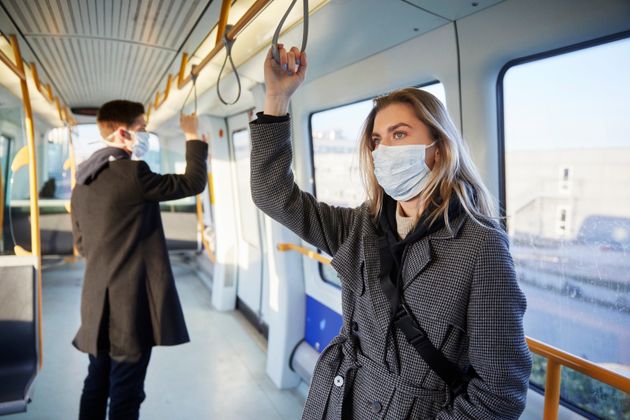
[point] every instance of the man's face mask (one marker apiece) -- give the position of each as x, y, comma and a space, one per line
136, 141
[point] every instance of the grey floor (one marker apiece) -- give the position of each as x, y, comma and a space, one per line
220, 374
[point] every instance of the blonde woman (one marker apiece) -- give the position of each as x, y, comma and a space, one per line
432, 313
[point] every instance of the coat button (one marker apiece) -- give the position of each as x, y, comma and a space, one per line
338, 380
376, 406
355, 326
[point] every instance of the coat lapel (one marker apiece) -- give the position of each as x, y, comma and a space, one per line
380, 305
418, 257
420, 253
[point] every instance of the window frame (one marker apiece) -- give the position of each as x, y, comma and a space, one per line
320, 266
500, 108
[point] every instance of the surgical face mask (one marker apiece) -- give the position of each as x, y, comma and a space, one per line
138, 142
141, 144
401, 170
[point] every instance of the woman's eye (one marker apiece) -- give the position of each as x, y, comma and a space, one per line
399, 135
376, 141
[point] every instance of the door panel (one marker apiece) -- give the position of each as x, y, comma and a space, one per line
250, 262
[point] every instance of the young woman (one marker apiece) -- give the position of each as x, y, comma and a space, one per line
432, 313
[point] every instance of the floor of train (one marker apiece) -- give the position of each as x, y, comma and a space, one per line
219, 374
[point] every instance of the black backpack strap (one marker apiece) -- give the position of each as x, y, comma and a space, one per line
455, 379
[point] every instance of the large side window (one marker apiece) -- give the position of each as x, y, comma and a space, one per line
335, 137
567, 170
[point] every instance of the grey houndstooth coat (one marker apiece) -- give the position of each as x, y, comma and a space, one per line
460, 285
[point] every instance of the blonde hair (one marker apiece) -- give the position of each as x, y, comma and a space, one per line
454, 175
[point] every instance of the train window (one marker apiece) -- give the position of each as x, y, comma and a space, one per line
87, 140
335, 140
566, 153
248, 213
15, 195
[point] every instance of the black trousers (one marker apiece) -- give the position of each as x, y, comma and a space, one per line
121, 382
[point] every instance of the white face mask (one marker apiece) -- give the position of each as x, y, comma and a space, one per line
141, 145
401, 170
138, 142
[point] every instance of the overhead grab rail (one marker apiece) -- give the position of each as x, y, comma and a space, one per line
46, 90
226, 35
556, 358
274, 42
234, 31
11, 65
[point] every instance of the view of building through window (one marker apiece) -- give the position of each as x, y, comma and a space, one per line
567, 170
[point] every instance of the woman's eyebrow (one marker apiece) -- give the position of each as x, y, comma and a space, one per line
395, 126
392, 128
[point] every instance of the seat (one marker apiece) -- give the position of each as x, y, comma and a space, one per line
18, 333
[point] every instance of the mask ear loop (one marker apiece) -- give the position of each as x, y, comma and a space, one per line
193, 88
228, 43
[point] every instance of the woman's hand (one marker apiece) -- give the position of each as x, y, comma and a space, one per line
283, 79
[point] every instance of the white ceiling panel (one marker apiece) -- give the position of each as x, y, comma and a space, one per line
452, 9
98, 50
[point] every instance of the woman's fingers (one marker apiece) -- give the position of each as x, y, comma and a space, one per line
295, 64
283, 59
302, 64
291, 62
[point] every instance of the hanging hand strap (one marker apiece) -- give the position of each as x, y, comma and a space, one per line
276, 35
193, 88
228, 43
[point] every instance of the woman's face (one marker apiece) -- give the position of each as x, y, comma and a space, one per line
397, 125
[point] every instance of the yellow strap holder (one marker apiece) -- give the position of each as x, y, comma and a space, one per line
20, 160
21, 252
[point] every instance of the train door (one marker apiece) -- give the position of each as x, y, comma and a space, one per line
251, 288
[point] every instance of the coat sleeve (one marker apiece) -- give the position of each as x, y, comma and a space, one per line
157, 187
77, 236
497, 348
274, 191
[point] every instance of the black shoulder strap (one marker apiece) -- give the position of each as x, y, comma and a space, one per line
455, 379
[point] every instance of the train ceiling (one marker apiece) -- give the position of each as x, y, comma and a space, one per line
93, 51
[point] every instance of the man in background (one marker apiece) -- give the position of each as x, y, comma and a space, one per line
129, 301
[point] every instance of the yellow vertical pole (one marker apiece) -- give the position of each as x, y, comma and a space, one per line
73, 172
32, 169
552, 390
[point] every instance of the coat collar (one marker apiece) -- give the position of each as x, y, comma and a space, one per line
418, 257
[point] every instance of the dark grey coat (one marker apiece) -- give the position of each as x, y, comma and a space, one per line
460, 285
117, 227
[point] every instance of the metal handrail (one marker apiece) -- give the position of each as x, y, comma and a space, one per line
36, 250
251, 13
45, 90
11, 65
182, 77
200, 223
556, 358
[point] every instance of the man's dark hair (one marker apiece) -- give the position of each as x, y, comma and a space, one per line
120, 111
